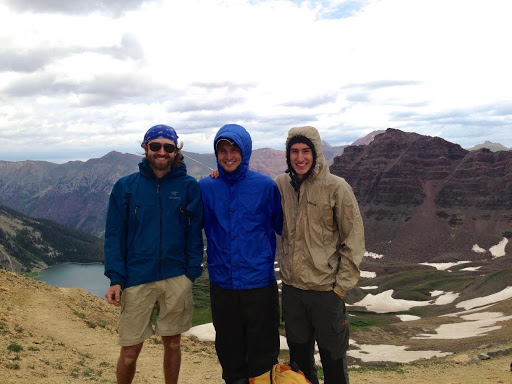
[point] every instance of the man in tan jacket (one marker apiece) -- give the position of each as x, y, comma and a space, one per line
323, 245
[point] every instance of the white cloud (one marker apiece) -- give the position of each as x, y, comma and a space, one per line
345, 67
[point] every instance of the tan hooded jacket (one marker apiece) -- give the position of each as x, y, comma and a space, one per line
323, 234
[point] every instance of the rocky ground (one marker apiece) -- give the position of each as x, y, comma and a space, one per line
61, 335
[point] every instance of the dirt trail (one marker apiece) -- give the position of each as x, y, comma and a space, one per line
69, 336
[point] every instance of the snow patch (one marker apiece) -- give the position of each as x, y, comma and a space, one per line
368, 275
471, 268
476, 324
444, 266
480, 301
394, 353
498, 250
447, 298
373, 255
206, 332
478, 249
203, 332
384, 303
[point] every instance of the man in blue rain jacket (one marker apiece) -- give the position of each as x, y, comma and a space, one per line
153, 251
242, 214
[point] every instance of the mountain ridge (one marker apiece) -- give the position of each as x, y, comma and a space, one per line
29, 245
76, 193
404, 183
493, 147
424, 198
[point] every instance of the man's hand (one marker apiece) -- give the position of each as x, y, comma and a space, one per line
113, 295
214, 174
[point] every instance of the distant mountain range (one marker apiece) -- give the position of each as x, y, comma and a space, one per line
76, 193
493, 147
421, 197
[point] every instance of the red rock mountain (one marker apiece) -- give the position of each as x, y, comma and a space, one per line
424, 198
269, 161
368, 138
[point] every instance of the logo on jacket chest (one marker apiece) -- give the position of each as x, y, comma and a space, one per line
174, 195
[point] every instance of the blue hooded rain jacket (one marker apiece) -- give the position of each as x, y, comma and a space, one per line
153, 229
242, 214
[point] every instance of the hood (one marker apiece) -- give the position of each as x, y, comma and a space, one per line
321, 167
241, 137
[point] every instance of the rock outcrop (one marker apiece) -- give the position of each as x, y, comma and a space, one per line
424, 198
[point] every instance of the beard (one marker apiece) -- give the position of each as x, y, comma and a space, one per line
155, 161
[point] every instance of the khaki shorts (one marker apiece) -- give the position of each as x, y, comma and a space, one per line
176, 306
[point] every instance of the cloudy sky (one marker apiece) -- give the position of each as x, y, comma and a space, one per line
81, 78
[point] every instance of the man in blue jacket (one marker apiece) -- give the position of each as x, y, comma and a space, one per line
242, 214
153, 251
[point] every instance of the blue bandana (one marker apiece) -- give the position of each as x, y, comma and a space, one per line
160, 132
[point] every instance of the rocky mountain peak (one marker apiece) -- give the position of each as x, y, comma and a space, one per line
424, 196
368, 138
269, 161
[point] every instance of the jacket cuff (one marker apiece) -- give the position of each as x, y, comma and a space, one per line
340, 294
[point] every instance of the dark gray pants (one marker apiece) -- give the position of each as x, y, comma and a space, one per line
319, 316
247, 330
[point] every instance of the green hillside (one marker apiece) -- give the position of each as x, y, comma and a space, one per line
30, 244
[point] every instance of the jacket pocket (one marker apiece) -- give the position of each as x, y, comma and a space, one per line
340, 323
144, 233
185, 218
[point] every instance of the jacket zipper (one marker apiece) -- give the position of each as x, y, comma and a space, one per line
135, 221
160, 246
292, 258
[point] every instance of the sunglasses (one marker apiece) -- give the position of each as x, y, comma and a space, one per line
155, 147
